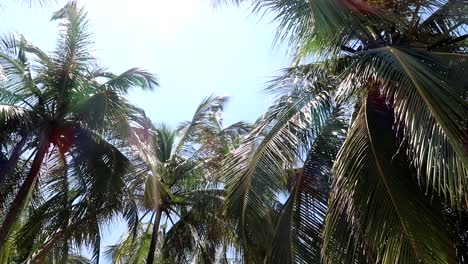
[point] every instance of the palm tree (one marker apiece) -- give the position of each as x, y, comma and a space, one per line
181, 183
400, 178
63, 110
73, 208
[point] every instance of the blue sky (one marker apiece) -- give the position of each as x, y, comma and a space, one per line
194, 49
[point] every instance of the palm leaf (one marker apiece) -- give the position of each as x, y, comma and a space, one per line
17, 85
200, 232
255, 172
298, 235
73, 48
446, 17
14, 114
376, 205
134, 77
319, 27
204, 117
129, 250
431, 114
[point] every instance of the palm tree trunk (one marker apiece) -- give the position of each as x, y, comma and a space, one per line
13, 160
154, 238
24, 191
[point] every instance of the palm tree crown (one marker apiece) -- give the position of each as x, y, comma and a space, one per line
181, 183
401, 173
72, 116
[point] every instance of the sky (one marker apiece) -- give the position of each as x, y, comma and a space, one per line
194, 49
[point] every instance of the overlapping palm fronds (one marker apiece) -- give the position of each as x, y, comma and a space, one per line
181, 186
72, 119
408, 57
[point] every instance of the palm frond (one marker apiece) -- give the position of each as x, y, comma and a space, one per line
199, 233
77, 259
129, 250
319, 27
446, 18
103, 110
141, 136
298, 235
131, 217
72, 55
376, 205
454, 66
431, 114
75, 39
255, 172
155, 193
11, 184
67, 101
79, 197
15, 73
164, 142
237, 129
14, 114
101, 165
203, 118
131, 78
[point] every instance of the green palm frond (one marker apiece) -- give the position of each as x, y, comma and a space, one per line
446, 17
12, 114
384, 213
457, 221
215, 147
164, 142
103, 110
72, 53
12, 45
173, 178
77, 204
11, 184
199, 233
76, 113
255, 172
204, 117
131, 216
311, 25
300, 76
77, 259
236, 130
298, 235
131, 250
320, 27
454, 66
140, 135
15, 73
429, 111
405, 159
156, 193
134, 77
101, 165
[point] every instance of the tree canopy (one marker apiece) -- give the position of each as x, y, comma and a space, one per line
362, 157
